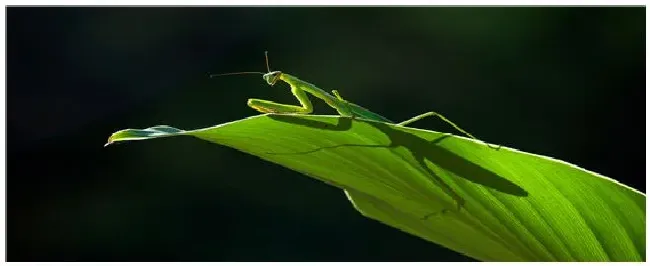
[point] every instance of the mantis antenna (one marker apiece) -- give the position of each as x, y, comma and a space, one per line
236, 73
266, 56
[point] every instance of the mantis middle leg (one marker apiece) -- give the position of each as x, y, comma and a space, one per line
348, 111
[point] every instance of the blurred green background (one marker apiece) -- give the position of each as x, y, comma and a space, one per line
563, 82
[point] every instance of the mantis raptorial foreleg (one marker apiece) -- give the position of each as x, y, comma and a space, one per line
266, 106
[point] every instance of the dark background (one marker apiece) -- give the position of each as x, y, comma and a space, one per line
563, 82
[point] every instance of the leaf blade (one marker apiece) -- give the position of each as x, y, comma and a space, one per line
519, 206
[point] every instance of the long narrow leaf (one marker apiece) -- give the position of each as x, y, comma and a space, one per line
492, 205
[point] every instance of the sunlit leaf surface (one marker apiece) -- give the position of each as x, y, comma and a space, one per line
516, 206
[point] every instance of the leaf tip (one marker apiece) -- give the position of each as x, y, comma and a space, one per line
139, 134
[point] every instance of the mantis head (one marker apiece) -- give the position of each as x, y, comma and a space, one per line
272, 77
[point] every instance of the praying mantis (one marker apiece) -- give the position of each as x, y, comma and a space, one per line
300, 89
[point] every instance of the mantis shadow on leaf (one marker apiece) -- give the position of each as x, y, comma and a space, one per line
420, 148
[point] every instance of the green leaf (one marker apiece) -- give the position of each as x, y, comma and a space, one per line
517, 206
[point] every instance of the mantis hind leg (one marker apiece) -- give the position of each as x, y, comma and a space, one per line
265, 106
419, 117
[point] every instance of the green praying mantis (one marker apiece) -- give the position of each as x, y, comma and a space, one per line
300, 89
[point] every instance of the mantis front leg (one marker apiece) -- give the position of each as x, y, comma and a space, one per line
266, 106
